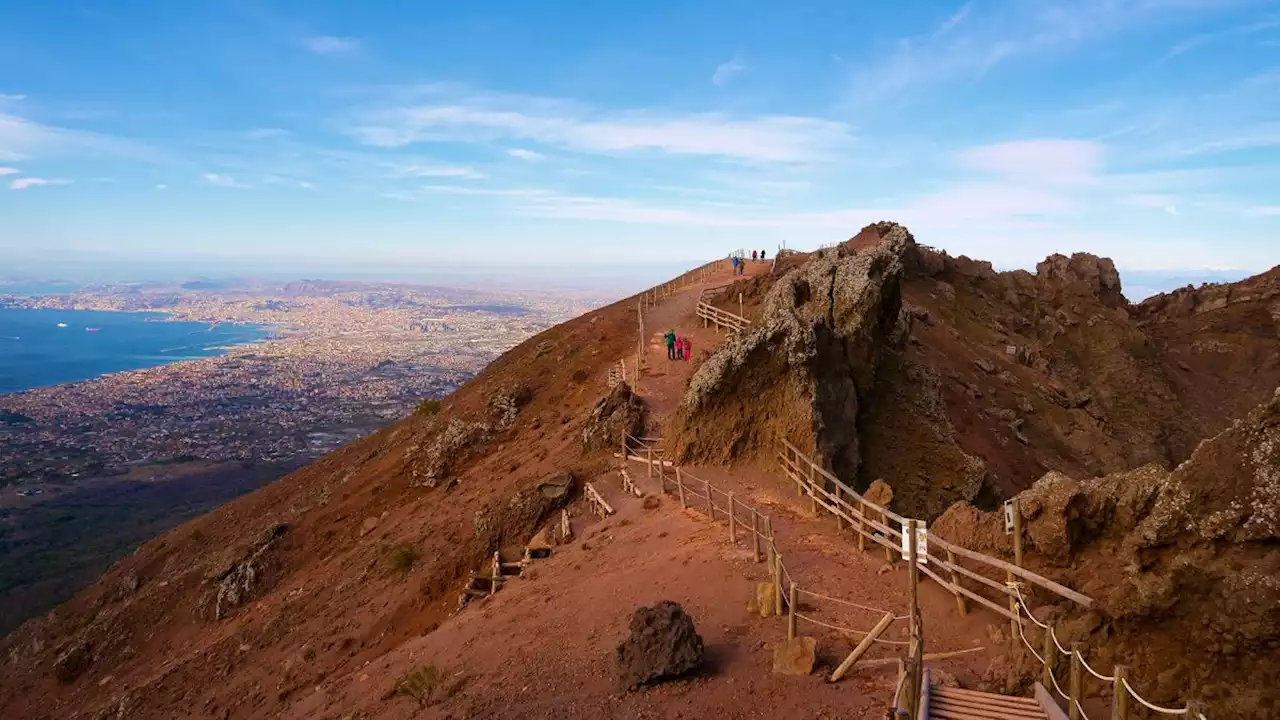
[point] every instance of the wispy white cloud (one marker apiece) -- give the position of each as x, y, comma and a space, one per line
21, 138
956, 18
162, 187
1201, 39
223, 181
1162, 202
494, 118
306, 185
1053, 160
267, 134
970, 43
432, 170
28, 182
9, 171
5, 97
331, 45
727, 71
1265, 211
527, 155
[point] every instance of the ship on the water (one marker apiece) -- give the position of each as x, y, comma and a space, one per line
89, 329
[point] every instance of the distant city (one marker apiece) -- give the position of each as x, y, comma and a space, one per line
329, 362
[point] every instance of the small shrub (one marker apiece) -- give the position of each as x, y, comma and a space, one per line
428, 407
422, 684
402, 557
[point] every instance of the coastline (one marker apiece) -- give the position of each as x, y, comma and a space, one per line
144, 358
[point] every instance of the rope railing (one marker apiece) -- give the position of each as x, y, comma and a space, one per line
1122, 690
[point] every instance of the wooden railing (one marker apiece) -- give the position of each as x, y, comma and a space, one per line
717, 504
720, 318
938, 556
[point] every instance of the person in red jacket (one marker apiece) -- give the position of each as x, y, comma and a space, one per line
688, 348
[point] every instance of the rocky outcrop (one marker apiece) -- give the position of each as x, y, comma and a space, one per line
616, 412
1183, 563
803, 374
663, 644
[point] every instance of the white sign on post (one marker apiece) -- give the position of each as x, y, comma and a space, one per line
1008, 517
922, 542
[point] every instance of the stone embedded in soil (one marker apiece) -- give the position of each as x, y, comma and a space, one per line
663, 644
795, 657
764, 599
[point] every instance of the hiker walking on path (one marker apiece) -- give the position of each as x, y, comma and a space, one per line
688, 348
761, 256
755, 255
670, 337
735, 264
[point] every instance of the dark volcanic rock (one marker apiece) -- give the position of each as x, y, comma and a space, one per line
619, 410
663, 644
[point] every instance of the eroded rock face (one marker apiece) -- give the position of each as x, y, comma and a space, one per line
1184, 565
1084, 272
825, 326
618, 411
663, 644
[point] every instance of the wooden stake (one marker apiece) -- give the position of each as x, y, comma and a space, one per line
777, 581
648, 452
755, 534
680, 487
888, 552
859, 651
813, 494
961, 605
862, 527
791, 614
1047, 651
1013, 612
1120, 698
1073, 684
1017, 532
733, 527
913, 574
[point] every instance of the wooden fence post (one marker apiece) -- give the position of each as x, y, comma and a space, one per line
791, 613
1047, 651
813, 493
1014, 623
777, 580
888, 552
648, 452
755, 534
961, 605
1120, 697
1073, 684
711, 506
680, 488
1017, 532
862, 526
913, 574
733, 528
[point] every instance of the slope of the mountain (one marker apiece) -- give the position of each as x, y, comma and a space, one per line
232, 613
1184, 563
993, 378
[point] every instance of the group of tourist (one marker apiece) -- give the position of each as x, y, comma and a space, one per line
678, 347
740, 264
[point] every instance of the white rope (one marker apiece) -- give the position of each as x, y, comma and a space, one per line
848, 631
1134, 694
1085, 715
838, 600
1061, 649
1095, 673
1033, 650
1023, 604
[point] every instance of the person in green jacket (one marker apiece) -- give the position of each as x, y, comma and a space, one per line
670, 337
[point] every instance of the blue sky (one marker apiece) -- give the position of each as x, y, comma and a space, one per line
396, 135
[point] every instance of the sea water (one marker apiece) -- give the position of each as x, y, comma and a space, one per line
35, 351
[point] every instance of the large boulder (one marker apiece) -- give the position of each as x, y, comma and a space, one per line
663, 644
